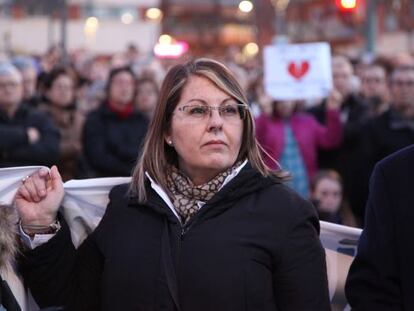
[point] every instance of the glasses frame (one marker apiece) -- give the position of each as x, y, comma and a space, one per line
240, 107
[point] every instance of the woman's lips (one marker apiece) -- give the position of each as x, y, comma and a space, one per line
214, 142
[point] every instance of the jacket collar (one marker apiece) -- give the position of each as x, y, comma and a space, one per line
244, 181
164, 196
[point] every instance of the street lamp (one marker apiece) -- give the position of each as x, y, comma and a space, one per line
153, 13
127, 18
246, 6
250, 49
90, 28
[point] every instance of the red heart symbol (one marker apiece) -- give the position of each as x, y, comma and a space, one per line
298, 70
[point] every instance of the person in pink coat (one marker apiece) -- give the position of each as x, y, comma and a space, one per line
292, 138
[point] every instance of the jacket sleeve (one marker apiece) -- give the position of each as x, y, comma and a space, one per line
300, 280
43, 152
59, 275
97, 153
372, 282
12, 136
329, 136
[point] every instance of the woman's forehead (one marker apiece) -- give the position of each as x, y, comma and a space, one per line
202, 88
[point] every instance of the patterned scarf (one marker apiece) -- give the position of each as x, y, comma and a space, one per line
187, 195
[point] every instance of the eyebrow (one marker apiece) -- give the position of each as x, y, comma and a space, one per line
205, 103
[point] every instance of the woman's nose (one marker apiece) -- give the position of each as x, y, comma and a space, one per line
215, 121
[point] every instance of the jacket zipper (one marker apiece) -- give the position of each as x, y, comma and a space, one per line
186, 227
184, 230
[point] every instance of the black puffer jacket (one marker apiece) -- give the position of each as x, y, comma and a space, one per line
253, 246
111, 144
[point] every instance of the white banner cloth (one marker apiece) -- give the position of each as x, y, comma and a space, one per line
85, 201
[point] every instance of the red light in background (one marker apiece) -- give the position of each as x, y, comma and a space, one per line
347, 5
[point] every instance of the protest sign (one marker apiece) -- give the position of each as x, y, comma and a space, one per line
297, 71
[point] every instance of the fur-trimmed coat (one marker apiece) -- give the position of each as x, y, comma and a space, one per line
8, 245
13, 295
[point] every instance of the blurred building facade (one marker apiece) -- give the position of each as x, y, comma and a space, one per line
103, 26
211, 25
208, 26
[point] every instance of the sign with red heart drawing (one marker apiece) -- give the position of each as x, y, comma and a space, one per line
298, 71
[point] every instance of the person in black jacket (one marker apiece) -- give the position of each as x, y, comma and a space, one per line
390, 131
204, 225
27, 137
382, 274
346, 159
113, 134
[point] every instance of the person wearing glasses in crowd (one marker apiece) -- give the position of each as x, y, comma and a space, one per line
27, 137
374, 89
27, 67
393, 129
204, 224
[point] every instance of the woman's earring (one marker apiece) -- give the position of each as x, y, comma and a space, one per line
170, 142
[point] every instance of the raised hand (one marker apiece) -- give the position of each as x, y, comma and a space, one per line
39, 197
334, 100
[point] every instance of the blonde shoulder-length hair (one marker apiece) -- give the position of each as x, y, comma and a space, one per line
157, 154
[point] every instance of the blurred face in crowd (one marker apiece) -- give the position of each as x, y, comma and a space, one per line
122, 88
61, 92
374, 82
342, 74
29, 76
147, 96
284, 109
98, 71
11, 92
206, 143
51, 58
328, 194
402, 89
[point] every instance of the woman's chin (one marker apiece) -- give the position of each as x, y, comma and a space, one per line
220, 163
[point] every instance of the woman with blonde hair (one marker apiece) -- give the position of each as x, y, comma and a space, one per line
204, 225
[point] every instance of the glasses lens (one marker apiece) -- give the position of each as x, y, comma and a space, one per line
196, 111
401, 83
230, 111
227, 112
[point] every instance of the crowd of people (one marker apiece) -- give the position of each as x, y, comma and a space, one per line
90, 116
209, 153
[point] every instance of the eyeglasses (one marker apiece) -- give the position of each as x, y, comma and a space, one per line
63, 87
229, 112
372, 80
10, 85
